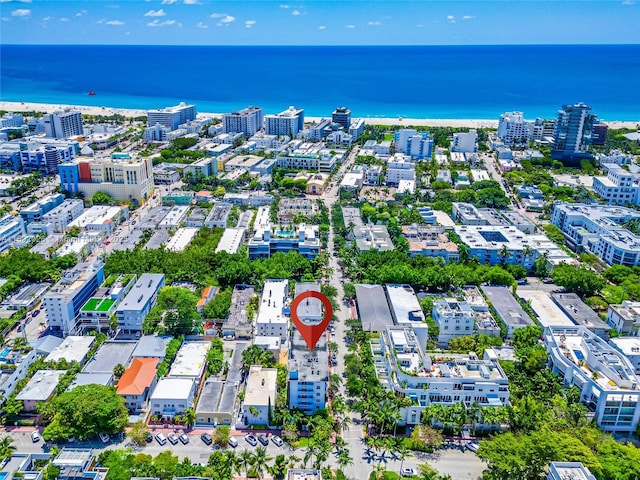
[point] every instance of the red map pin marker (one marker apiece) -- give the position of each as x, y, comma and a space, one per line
311, 333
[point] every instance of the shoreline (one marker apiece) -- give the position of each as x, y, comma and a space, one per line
385, 121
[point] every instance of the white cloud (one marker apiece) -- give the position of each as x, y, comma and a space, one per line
21, 12
155, 13
295, 13
322, 27
81, 12
284, 5
202, 25
46, 19
218, 15
64, 19
228, 19
451, 19
468, 17
629, 2
249, 23
117, 23
374, 23
100, 21
419, 25
190, 2
166, 23
17, 1
350, 26
5, 19
168, 2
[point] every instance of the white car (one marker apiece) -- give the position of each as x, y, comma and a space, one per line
277, 441
409, 472
35, 436
104, 438
473, 446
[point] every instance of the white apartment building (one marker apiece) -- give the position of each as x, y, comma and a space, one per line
248, 121
271, 320
171, 117
289, 122
312, 157
625, 318
61, 215
10, 229
619, 186
260, 395
172, 396
597, 229
100, 218
454, 318
495, 244
630, 348
513, 128
606, 379
403, 366
308, 374
465, 142
63, 124
400, 167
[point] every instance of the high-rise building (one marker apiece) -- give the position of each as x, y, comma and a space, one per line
63, 124
248, 121
342, 116
289, 122
513, 128
171, 117
573, 131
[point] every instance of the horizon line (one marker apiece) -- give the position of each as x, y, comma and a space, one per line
324, 46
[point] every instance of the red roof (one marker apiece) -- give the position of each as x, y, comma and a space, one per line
138, 377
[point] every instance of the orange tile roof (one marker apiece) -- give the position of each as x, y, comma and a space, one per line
138, 376
203, 298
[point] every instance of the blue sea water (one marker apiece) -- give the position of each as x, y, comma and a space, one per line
408, 81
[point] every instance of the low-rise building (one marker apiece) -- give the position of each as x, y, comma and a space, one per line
508, 309
63, 214
11, 228
231, 241
40, 388
72, 349
272, 319
620, 186
137, 382
426, 378
454, 318
598, 229
569, 471
625, 318
111, 354
141, 298
216, 405
172, 396
630, 348
182, 238
373, 309
267, 240
605, 377
151, 346
174, 218
372, 237
101, 218
581, 314
238, 324
260, 395
36, 211
190, 360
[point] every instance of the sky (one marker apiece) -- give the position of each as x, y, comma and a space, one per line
328, 22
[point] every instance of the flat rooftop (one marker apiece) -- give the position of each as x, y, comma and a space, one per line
218, 396
272, 302
151, 346
547, 312
309, 308
261, 386
190, 360
308, 365
507, 307
182, 238
373, 308
404, 303
109, 355
578, 311
231, 241
141, 292
96, 215
72, 349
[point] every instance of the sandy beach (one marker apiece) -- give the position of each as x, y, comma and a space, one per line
414, 122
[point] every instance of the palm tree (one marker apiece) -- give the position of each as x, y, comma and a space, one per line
322, 454
279, 468
245, 461
6, 447
189, 417
503, 253
312, 451
260, 460
379, 469
232, 460
343, 458
401, 452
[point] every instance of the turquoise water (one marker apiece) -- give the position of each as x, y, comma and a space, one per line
412, 82
3, 354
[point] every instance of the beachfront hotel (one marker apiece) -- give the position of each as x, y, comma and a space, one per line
122, 176
63, 124
573, 131
171, 117
248, 121
289, 122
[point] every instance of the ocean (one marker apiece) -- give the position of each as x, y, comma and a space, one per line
467, 82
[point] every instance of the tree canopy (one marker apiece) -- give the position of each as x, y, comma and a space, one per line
86, 411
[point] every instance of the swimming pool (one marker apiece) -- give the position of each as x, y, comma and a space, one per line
3, 354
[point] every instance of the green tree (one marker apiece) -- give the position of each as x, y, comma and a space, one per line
86, 411
279, 468
118, 370
219, 307
189, 416
221, 435
138, 433
74, 231
260, 461
101, 198
349, 290
6, 447
580, 280
179, 305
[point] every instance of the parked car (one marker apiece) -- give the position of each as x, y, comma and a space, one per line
263, 439
36, 313
277, 441
409, 472
148, 437
232, 442
35, 436
473, 446
206, 438
161, 439
184, 438
251, 439
104, 438
173, 438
